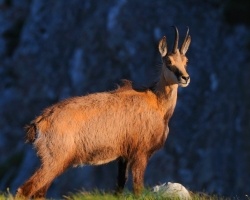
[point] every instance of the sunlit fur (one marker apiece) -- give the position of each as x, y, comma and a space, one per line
127, 125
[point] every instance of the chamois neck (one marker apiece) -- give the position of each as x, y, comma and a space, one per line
166, 96
165, 89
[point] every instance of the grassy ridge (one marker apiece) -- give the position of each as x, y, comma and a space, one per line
99, 195
147, 195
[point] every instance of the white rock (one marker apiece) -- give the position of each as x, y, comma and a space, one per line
172, 190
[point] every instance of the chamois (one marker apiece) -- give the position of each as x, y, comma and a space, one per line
126, 125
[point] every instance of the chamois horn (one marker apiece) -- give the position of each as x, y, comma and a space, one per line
176, 40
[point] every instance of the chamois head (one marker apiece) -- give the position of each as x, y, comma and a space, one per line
175, 62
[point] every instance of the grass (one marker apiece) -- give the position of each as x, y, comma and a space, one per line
6, 195
147, 195
100, 195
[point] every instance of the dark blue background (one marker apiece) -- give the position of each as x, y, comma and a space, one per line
51, 50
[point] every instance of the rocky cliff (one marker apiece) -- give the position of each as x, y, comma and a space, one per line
54, 50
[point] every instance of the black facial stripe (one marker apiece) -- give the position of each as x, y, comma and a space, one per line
175, 70
169, 67
178, 73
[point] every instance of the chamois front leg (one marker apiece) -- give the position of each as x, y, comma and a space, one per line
138, 167
122, 175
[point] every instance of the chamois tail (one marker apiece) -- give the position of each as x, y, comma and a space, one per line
30, 133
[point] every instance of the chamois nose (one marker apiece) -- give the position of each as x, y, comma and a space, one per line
186, 78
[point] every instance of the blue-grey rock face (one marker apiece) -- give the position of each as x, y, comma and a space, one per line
54, 50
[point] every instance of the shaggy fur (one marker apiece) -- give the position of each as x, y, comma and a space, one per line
124, 124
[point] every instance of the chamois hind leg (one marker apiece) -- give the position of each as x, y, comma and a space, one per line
40, 181
138, 167
122, 175
32, 184
41, 193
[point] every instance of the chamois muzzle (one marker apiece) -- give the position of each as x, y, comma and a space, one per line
184, 80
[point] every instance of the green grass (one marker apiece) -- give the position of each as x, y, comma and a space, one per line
6, 195
100, 195
146, 195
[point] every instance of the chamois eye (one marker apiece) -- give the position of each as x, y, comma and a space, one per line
169, 62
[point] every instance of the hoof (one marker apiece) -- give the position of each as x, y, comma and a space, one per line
19, 194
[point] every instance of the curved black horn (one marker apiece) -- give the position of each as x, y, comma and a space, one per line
176, 40
184, 42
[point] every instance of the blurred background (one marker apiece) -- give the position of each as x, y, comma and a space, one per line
52, 50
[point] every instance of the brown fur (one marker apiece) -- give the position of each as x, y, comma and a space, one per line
30, 133
124, 124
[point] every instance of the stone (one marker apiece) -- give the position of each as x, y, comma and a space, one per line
172, 190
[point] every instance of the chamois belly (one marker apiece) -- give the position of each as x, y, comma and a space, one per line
99, 156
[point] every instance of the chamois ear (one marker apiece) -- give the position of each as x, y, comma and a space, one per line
163, 47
